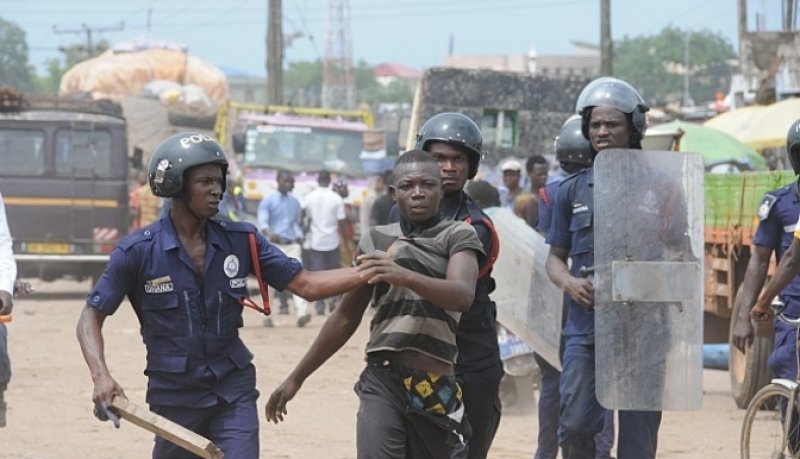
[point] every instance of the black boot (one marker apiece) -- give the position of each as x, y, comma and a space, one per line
582, 450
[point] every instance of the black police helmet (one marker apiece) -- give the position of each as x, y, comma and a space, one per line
793, 146
614, 93
455, 129
571, 145
175, 155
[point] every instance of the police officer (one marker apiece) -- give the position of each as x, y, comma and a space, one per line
573, 153
612, 116
185, 276
455, 142
778, 231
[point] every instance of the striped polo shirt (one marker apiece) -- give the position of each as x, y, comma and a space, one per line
404, 320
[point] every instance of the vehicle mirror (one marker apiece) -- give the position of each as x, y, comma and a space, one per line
238, 140
137, 160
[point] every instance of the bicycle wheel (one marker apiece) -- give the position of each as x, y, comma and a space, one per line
762, 428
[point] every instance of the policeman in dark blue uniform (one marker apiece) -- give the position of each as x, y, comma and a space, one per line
612, 116
573, 153
455, 142
185, 276
777, 215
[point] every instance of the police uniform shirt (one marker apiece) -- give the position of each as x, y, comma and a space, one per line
571, 228
777, 215
546, 196
189, 324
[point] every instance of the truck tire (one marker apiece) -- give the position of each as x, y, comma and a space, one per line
748, 370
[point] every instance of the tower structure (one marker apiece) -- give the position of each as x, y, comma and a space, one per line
338, 80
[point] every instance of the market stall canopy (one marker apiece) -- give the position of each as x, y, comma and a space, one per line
125, 70
717, 148
762, 127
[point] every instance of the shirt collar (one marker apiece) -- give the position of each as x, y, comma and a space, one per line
170, 239
415, 229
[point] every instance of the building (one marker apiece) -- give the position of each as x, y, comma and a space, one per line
245, 87
386, 73
583, 62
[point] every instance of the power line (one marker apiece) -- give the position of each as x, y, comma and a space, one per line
89, 31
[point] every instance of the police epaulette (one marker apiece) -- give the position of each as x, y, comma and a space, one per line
574, 175
766, 206
144, 234
237, 227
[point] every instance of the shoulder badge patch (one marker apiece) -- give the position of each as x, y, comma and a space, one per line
765, 206
231, 266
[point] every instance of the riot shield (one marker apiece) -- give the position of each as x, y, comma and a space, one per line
648, 279
528, 304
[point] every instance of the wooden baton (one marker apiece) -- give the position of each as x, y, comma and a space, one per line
166, 429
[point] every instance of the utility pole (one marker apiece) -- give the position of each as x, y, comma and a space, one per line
338, 80
275, 53
606, 46
687, 98
89, 31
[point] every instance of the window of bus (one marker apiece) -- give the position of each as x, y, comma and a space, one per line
297, 148
22, 151
499, 127
83, 153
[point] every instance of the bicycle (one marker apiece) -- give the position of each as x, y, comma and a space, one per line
767, 431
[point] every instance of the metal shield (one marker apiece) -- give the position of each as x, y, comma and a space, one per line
528, 304
648, 240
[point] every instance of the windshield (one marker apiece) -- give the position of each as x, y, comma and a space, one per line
83, 153
299, 148
22, 151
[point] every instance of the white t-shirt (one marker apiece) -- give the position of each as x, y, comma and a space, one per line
324, 207
8, 267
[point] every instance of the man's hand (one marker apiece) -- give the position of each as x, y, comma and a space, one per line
104, 412
581, 290
105, 389
761, 312
6, 303
742, 335
380, 267
276, 405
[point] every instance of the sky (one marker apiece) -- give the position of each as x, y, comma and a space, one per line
415, 33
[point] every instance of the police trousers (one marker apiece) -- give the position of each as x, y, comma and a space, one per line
388, 428
549, 401
582, 416
233, 427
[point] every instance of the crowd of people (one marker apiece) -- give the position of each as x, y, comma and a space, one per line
422, 264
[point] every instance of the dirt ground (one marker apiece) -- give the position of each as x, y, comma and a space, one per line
50, 410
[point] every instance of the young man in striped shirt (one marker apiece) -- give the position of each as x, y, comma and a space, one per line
423, 272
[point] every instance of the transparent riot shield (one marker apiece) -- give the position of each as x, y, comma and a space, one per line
648, 278
528, 304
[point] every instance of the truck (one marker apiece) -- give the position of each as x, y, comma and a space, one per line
520, 113
64, 181
302, 140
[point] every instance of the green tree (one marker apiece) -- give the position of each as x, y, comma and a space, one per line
655, 64
302, 83
14, 68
